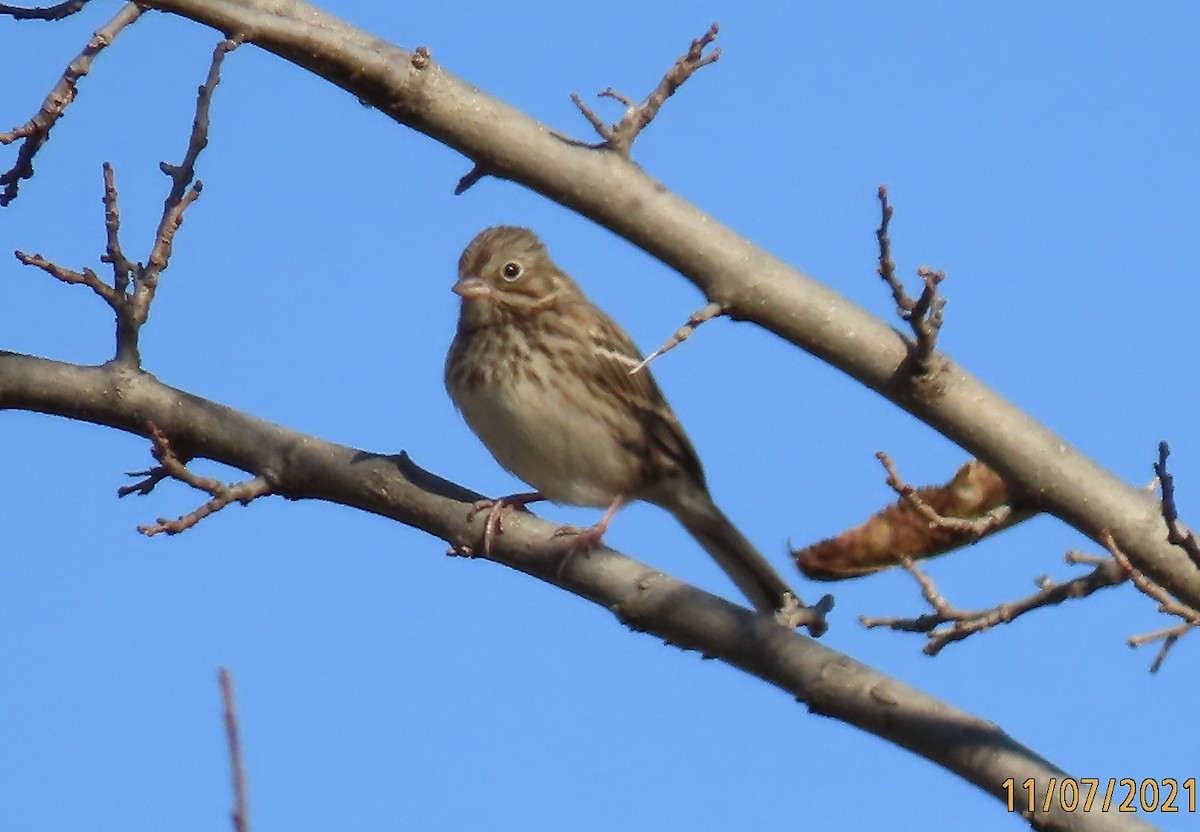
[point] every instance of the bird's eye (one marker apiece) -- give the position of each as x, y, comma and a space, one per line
512, 270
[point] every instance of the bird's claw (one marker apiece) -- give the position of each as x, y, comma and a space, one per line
584, 538
497, 509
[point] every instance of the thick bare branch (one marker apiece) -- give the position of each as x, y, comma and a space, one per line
305, 467
742, 278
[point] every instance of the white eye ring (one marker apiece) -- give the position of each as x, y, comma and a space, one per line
512, 270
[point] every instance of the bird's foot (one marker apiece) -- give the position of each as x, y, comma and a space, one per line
497, 510
584, 539
590, 537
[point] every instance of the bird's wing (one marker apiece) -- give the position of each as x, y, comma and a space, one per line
661, 428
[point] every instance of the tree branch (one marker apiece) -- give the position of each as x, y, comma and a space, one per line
965, 623
55, 12
36, 131
741, 278
305, 467
239, 815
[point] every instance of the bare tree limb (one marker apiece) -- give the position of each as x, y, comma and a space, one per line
742, 278
134, 285
122, 396
305, 467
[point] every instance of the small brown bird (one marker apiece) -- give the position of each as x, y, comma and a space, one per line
541, 375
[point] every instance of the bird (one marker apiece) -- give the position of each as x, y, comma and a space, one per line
543, 377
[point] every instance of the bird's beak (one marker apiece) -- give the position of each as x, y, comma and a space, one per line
471, 287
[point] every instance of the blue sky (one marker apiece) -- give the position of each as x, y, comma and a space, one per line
1044, 157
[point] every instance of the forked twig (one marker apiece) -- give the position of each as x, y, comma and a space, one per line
171, 465
965, 623
924, 314
134, 285
620, 136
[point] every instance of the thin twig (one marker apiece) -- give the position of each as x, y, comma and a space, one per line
472, 176
123, 268
973, 527
1167, 604
1169, 637
36, 131
924, 314
965, 623
55, 12
222, 495
240, 813
1175, 532
620, 136
134, 285
700, 316
86, 277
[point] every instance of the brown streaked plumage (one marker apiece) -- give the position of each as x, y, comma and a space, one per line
541, 376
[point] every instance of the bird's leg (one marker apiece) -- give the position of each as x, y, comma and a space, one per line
589, 537
496, 510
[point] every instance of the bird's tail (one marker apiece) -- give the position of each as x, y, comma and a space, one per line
743, 563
